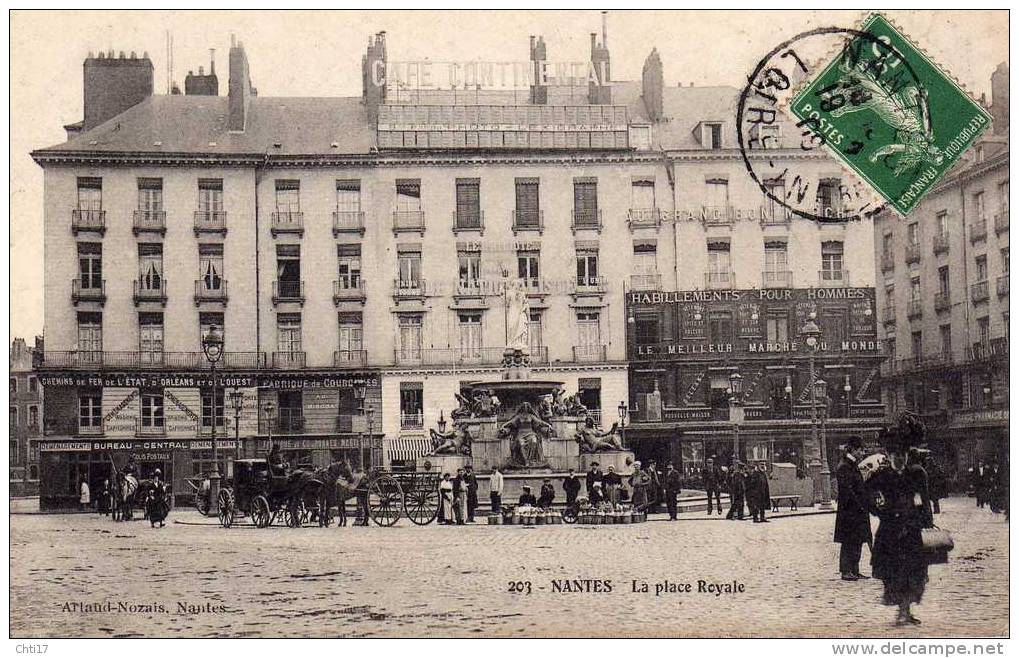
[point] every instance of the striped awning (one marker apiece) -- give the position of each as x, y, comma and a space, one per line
407, 447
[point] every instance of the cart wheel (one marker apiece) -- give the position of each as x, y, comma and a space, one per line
422, 505
295, 514
226, 508
385, 500
201, 504
570, 515
260, 512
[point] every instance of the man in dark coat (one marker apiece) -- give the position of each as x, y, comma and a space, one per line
737, 491
471, 484
758, 492
673, 485
593, 475
547, 494
852, 520
980, 475
571, 485
654, 488
713, 484
527, 498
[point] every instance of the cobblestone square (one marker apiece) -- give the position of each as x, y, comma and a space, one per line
456, 581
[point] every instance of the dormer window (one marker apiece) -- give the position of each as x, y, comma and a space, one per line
711, 135
640, 137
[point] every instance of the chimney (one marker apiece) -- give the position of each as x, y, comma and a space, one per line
600, 93
202, 84
539, 92
239, 90
113, 85
373, 77
999, 99
652, 81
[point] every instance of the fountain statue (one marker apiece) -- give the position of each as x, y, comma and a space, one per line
526, 430
592, 439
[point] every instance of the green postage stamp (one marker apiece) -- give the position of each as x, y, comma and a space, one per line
890, 113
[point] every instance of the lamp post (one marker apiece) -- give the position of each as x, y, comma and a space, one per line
237, 401
622, 409
821, 394
848, 390
359, 392
811, 334
735, 410
369, 415
789, 395
212, 345
269, 411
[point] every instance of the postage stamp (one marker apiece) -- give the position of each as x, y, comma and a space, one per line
891, 114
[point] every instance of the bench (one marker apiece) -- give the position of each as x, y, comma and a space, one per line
792, 499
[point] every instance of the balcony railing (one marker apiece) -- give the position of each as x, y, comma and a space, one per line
1001, 222
716, 215
444, 356
348, 221
411, 288
150, 292
289, 360
591, 285
587, 353
833, 278
914, 309
993, 348
350, 358
719, 279
150, 427
210, 291
586, 219
528, 220
888, 315
408, 220
288, 291
942, 301
776, 215
412, 420
137, 359
978, 231
348, 290
287, 221
644, 218
913, 252
1002, 285
472, 288
91, 430
941, 243
149, 221
289, 421
88, 220
979, 292
887, 262
777, 279
81, 292
210, 221
645, 282
468, 221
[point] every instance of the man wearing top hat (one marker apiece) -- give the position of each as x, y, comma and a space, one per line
852, 520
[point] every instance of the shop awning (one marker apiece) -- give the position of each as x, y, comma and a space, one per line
407, 447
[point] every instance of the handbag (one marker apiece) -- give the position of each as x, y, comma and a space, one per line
936, 544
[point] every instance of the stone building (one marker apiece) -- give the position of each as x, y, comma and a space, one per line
26, 408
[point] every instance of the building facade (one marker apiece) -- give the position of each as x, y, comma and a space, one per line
26, 411
944, 302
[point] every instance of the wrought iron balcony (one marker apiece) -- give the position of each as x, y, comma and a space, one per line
589, 353
942, 302
914, 309
644, 218
586, 220
980, 292
409, 221
91, 430
154, 291
913, 252
469, 220
412, 420
941, 243
149, 221
210, 221
1002, 285
349, 290
717, 215
887, 262
93, 360
888, 315
88, 220
978, 230
714, 280
289, 360
990, 349
528, 220
83, 291
776, 215
288, 291
445, 356
288, 421
409, 288
1001, 222
350, 358
287, 221
207, 290
348, 221
589, 285
472, 288
833, 278
649, 282
777, 279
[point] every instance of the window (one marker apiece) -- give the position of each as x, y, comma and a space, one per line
150, 195
33, 418
719, 264
351, 335
291, 413
288, 270
469, 268
348, 258
528, 209
1004, 260
642, 194
90, 410
408, 262
640, 137
944, 286
207, 320
534, 331
410, 336
769, 135
645, 259
348, 201
890, 341
775, 210
90, 193
288, 333
946, 340
914, 289
33, 384
90, 265
150, 266
408, 195
527, 268
468, 203
778, 327
719, 326
589, 331
150, 338
152, 410
828, 201
90, 334
917, 344
984, 330
982, 267
941, 224
886, 246
645, 328
980, 207
585, 201
717, 194
14, 385
711, 135
831, 261
469, 335
288, 199
411, 405
210, 266
913, 234
212, 411
587, 267
776, 264
1003, 196
210, 196
13, 419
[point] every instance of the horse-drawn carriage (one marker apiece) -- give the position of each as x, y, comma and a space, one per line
266, 495
392, 494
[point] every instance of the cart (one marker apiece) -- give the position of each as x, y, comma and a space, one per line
392, 494
263, 497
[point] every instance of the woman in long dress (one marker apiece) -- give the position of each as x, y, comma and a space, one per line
446, 492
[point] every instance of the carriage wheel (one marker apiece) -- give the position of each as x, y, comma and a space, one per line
422, 505
295, 514
385, 500
201, 504
226, 508
570, 514
260, 512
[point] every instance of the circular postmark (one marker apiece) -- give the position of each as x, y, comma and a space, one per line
804, 184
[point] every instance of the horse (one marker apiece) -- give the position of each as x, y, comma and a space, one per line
123, 493
319, 486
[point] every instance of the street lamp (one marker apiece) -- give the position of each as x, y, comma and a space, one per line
811, 334
789, 394
369, 414
237, 401
212, 345
622, 409
359, 392
848, 390
441, 423
269, 412
735, 410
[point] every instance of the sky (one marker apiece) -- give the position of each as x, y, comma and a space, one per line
318, 53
